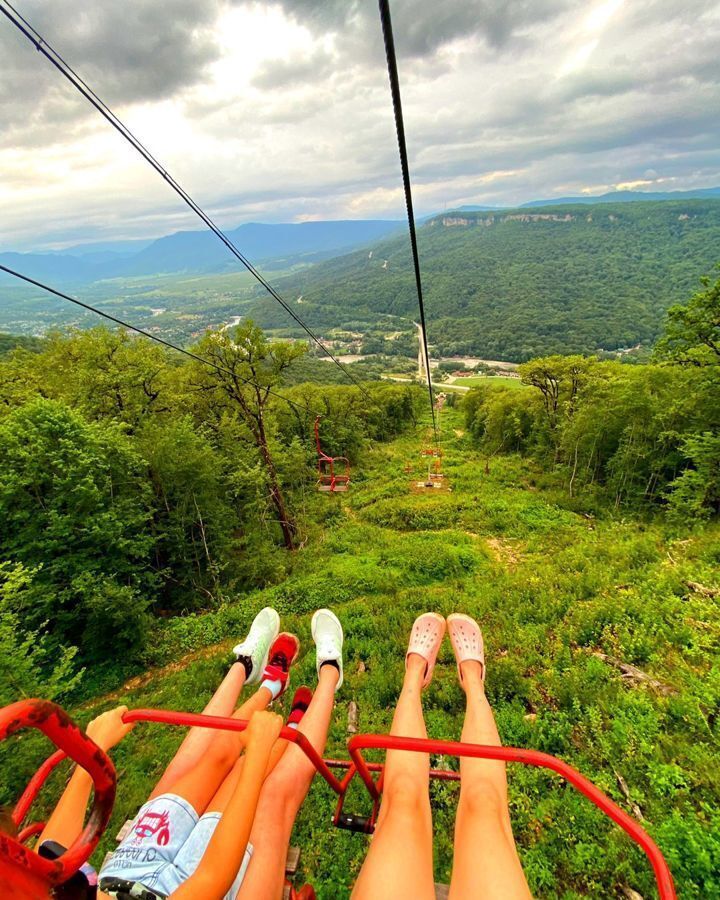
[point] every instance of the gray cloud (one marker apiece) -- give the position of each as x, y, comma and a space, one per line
134, 51
504, 102
313, 67
420, 28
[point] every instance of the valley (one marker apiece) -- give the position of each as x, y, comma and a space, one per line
504, 285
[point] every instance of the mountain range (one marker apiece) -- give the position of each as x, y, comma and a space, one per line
500, 284
274, 245
712, 193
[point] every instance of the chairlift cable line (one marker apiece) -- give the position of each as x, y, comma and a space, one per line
152, 337
402, 147
69, 73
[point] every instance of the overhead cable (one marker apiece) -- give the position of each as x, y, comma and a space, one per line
77, 82
400, 128
152, 337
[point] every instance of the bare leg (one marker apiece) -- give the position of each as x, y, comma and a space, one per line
486, 862
201, 782
282, 796
399, 862
198, 740
232, 779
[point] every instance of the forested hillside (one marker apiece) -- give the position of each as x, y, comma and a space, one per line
530, 282
134, 486
10, 342
151, 505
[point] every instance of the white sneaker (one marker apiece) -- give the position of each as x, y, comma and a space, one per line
328, 636
256, 646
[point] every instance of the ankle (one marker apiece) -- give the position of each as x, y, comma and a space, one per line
472, 675
415, 669
245, 663
415, 663
329, 671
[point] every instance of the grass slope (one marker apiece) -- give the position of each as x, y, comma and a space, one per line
549, 586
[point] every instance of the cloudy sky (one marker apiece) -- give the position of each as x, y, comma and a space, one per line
280, 111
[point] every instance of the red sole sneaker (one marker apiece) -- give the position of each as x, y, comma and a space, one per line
283, 654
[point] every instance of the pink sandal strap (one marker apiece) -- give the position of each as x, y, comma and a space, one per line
425, 639
467, 641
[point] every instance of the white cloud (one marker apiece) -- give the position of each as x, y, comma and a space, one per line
281, 111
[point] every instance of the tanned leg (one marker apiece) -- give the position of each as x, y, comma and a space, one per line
486, 862
201, 782
226, 790
282, 796
198, 740
400, 860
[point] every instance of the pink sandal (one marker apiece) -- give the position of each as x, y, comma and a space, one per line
425, 638
467, 641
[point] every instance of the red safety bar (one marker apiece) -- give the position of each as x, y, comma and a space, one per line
359, 742
328, 478
29, 795
65, 734
30, 831
173, 717
357, 765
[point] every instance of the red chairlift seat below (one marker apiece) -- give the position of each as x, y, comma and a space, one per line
333, 471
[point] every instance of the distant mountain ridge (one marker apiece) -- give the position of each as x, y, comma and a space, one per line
201, 251
281, 245
712, 193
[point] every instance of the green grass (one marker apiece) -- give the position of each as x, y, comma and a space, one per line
550, 584
477, 380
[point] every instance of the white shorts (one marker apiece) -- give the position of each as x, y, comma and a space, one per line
165, 845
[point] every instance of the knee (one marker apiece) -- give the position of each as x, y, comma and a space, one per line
407, 793
286, 787
483, 797
221, 754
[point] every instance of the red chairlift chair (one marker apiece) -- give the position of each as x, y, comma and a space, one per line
330, 479
431, 456
24, 874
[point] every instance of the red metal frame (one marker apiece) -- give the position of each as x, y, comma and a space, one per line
328, 478
52, 721
359, 742
173, 717
76, 745
30, 831
29, 795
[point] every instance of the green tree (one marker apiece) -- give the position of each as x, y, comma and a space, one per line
559, 379
75, 505
696, 492
107, 373
248, 370
193, 521
692, 330
505, 420
30, 664
21, 379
